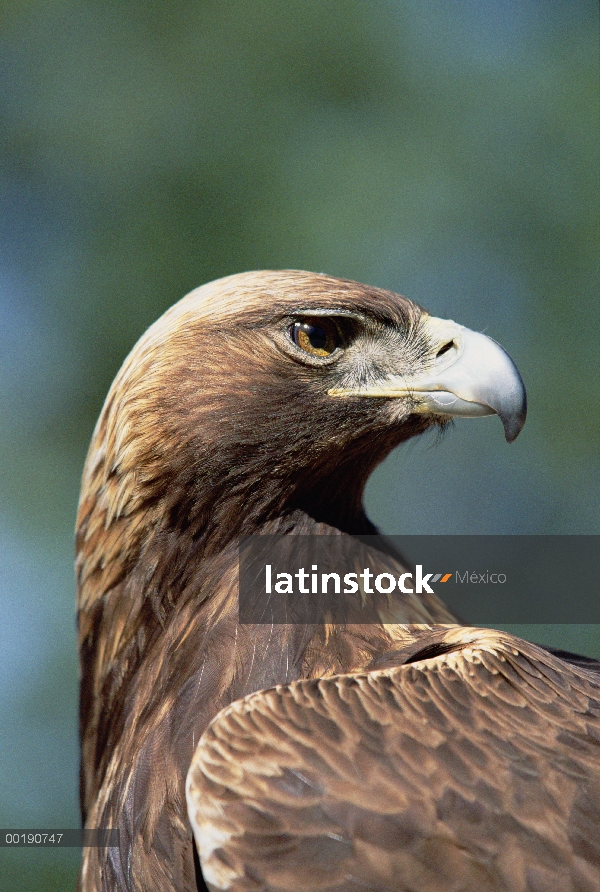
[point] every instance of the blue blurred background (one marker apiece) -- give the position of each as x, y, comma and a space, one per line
446, 149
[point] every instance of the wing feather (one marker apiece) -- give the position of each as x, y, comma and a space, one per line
475, 769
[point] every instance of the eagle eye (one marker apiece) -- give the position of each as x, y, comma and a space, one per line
319, 337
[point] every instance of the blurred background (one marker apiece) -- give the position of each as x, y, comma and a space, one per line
446, 149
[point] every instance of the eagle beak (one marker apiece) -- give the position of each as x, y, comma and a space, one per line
468, 375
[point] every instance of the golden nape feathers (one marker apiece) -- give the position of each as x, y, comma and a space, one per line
406, 753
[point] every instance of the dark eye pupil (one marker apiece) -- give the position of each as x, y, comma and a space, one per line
315, 338
316, 335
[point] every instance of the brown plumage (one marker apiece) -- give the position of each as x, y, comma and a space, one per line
474, 769
261, 403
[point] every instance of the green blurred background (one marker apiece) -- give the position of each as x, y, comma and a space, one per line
446, 149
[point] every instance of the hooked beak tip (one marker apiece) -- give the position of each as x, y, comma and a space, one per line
513, 422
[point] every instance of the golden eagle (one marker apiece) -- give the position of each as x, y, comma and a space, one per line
410, 753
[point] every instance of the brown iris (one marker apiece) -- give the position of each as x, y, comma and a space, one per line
319, 337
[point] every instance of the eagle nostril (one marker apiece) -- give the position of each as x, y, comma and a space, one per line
445, 349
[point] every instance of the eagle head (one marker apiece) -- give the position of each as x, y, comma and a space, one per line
265, 392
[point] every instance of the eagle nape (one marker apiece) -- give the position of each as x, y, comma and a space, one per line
410, 753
